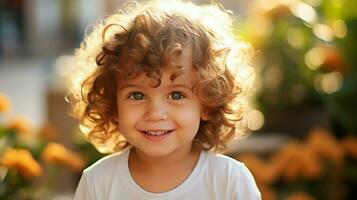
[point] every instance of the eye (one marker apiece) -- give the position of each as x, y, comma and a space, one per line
176, 95
136, 96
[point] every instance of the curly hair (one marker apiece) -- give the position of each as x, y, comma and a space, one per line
147, 37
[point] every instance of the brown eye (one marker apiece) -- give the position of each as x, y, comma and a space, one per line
136, 96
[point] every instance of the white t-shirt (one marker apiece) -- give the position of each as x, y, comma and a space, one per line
214, 177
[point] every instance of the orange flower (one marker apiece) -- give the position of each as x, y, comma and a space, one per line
324, 145
270, 173
58, 154
48, 132
294, 160
19, 124
264, 173
5, 104
349, 144
267, 193
288, 161
300, 196
22, 161
311, 167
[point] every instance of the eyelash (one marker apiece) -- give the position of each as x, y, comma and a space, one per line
182, 95
131, 95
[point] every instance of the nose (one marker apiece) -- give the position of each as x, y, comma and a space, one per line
155, 111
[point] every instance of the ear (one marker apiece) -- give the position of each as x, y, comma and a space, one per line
204, 115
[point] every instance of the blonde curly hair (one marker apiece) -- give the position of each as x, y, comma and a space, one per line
149, 36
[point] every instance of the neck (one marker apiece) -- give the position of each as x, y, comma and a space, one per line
168, 171
175, 159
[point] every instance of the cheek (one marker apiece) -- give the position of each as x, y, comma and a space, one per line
126, 117
190, 116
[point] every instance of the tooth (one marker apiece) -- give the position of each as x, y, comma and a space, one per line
156, 133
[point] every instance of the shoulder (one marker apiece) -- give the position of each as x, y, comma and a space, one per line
235, 174
106, 166
97, 180
222, 162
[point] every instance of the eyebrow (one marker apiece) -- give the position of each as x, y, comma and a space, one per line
169, 86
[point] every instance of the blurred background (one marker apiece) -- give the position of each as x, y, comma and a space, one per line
303, 144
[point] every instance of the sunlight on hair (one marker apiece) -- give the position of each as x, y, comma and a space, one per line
255, 120
84, 129
314, 58
104, 149
329, 83
245, 75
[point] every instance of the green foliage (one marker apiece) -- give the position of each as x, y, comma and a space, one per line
287, 80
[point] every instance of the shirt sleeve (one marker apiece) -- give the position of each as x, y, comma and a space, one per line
246, 188
83, 192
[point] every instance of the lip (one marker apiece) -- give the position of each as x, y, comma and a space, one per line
156, 138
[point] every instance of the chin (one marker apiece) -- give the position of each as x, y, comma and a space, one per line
155, 152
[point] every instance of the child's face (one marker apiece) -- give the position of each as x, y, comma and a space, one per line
162, 120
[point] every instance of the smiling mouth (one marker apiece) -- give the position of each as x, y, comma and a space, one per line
157, 133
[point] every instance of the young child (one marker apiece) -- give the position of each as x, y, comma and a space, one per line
159, 85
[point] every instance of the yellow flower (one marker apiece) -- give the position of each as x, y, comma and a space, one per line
300, 196
5, 104
22, 161
19, 124
58, 154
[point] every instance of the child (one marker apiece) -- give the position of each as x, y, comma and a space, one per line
159, 85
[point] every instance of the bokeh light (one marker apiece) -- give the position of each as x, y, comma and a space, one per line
295, 38
328, 83
339, 28
273, 77
255, 120
323, 32
304, 12
314, 58
314, 2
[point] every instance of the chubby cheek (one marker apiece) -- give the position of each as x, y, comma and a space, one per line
126, 118
189, 118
